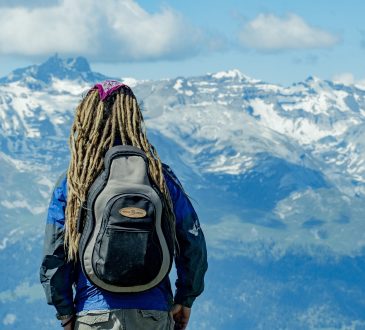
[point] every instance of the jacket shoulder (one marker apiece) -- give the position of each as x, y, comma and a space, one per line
61, 179
171, 177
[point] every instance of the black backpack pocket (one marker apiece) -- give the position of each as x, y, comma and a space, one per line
127, 250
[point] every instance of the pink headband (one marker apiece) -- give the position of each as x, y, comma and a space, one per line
107, 87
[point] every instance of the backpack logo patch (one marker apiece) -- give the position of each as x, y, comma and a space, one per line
132, 212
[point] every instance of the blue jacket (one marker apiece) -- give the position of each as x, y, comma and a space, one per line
59, 277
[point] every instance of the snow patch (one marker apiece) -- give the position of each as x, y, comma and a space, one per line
178, 85
25, 291
3, 243
23, 204
9, 319
131, 82
73, 87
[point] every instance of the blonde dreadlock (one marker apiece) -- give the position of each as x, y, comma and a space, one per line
96, 125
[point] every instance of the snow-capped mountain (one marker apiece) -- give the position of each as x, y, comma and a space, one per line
278, 174
37, 76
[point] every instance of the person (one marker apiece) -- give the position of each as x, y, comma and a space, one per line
109, 115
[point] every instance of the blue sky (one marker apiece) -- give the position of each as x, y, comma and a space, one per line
279, 41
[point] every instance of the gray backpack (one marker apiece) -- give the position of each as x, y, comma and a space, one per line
125, 244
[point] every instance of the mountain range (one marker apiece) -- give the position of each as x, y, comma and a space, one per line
276, 173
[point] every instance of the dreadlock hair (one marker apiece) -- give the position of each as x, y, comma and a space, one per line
96, 126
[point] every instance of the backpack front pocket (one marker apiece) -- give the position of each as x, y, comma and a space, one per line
127, 252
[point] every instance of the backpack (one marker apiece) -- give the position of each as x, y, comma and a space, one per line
125, 244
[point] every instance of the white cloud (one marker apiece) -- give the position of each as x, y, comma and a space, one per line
268, 32
27, 3
344, 78
118, 31
348, 78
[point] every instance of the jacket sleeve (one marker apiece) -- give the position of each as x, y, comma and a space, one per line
56, 275
191, 259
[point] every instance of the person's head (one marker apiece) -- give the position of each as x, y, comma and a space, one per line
101, 121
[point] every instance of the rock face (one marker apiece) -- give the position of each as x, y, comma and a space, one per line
277, 172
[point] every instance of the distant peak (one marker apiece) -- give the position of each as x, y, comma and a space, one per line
54, 58
230, 74
79, 63
235, 73
56, 64
312, 79
55, 67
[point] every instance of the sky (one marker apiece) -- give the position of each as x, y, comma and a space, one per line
277, 41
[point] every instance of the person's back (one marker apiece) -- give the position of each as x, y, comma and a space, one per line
107, 116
